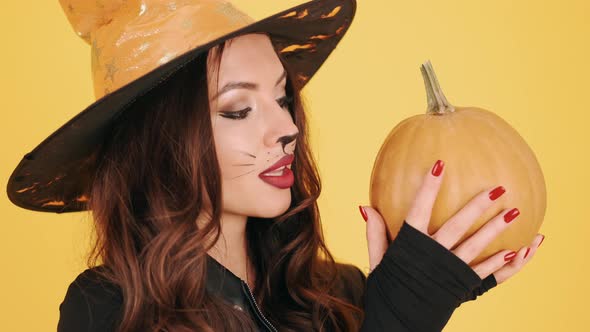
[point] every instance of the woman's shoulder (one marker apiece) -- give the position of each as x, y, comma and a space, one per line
351, 273
91, 303
350, 283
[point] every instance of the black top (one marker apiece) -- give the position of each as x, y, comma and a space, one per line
416, 287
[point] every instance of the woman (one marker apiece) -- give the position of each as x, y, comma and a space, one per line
203, 194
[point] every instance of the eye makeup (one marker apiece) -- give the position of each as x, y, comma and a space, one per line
284, 102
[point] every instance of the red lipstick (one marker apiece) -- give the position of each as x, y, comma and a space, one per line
283, 181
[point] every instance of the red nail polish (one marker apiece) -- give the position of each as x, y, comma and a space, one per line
437, 168
509, 256
527, 252
508, 217
497, 192
541, 241
363, 213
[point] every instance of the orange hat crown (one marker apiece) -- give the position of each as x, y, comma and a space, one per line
131, 38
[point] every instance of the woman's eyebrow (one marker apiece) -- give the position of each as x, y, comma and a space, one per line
244, 85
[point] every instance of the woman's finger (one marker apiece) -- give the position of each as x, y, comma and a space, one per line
377, 241
519, 261
534, 246
453, 229
421, 209
494, 263
474, 245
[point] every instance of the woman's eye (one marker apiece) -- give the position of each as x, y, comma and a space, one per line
285, 101
237, 115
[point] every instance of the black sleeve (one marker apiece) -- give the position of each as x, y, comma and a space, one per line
417, 285
487, 283
90, 304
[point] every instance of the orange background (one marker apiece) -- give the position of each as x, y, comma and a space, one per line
525, 60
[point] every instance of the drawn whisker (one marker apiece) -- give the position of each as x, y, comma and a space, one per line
243, 164
246, 153
243, 174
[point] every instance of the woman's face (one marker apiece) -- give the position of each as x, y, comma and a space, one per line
252, 127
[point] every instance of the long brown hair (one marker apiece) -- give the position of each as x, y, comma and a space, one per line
155, 168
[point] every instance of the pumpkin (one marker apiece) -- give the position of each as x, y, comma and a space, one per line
480, 151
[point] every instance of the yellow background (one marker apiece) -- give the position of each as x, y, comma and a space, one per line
525, 60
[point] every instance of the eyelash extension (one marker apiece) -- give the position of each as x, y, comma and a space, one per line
284, 101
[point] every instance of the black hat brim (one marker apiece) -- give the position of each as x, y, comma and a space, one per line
57, 174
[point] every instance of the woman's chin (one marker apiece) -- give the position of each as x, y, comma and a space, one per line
272, 209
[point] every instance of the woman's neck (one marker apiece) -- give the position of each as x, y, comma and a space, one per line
232, 247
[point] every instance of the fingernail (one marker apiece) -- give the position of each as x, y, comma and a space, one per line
527, 252
437, 168
363, 213
541, 241
508, 217
509, 256
497, 192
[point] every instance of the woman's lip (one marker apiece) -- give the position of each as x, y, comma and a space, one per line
286, 160
284, 181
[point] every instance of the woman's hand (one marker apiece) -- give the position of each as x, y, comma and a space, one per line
503, 264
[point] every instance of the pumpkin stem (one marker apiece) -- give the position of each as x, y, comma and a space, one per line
437, 102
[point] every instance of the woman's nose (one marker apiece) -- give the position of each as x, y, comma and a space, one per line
280, 127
